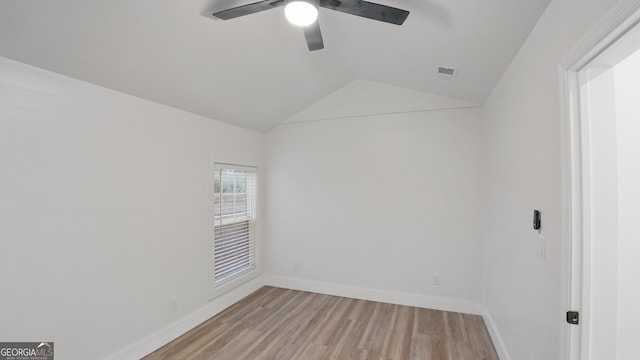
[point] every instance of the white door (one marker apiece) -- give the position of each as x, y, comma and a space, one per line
605, 274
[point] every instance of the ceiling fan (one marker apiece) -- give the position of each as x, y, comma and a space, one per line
304, 13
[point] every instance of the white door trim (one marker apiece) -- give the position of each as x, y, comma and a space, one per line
575, 202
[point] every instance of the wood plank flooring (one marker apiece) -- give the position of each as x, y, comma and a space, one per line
281, 324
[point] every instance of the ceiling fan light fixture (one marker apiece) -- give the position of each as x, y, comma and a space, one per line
301, 13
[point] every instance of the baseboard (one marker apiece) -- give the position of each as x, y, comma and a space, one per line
391, 297
498, 343
163, 336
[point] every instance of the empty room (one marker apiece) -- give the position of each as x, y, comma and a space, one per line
319, 179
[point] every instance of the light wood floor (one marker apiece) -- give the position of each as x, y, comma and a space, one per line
281, 324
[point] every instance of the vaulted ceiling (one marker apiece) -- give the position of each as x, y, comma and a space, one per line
256, 71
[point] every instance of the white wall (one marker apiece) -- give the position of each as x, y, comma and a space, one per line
103, 211
627, 79
378, 202
523, 134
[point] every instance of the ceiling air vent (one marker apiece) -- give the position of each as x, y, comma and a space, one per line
447, 72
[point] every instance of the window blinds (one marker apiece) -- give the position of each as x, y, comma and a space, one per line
234, 239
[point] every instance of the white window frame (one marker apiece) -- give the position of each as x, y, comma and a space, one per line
217, 289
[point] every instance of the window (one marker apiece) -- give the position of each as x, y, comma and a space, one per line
234, 220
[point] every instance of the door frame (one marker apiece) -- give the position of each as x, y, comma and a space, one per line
575, 174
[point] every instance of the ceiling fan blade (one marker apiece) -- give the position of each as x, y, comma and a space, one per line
248, 9
367, 9
314, 37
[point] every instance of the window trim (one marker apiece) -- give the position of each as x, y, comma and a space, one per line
239, 279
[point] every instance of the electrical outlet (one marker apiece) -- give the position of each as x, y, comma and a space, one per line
436, 280
173, 303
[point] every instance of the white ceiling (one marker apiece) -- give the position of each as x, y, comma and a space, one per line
367, 98
256, 71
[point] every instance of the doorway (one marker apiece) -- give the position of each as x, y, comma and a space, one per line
605, 199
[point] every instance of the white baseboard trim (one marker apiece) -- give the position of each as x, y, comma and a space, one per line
163, 336
498, 343
391, 297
